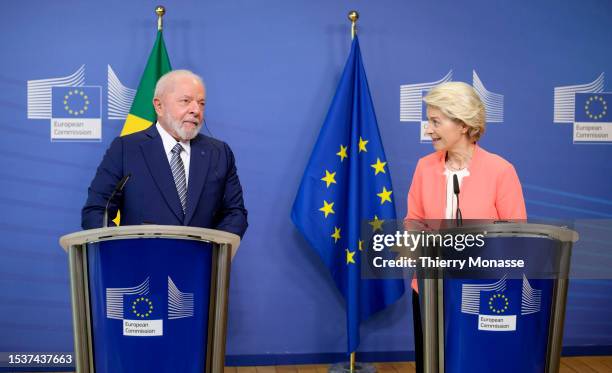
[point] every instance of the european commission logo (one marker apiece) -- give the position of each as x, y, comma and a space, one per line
62, 101
412, 108
75, 113
74, 109
587, 107
593, 122
143, 313
497, 310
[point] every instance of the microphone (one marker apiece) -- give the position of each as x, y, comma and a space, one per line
118, 188
458, 216
205, 125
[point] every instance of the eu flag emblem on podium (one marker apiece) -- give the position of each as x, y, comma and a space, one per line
346, 182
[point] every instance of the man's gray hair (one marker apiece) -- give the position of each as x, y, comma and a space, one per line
168, 78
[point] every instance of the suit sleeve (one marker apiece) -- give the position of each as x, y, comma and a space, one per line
232, 216
414, 211
415, 197
509, 200
107, 176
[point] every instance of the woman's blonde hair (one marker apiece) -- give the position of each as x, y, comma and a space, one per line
460, 102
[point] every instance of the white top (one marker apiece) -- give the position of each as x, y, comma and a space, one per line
169, 143
451, 198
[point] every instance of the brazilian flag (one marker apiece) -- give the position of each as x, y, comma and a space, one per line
142, 114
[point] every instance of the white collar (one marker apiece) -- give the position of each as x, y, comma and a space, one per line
460, 173
169, 141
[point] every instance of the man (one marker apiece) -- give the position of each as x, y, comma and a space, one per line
178, 176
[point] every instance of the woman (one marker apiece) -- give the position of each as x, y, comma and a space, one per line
489, 186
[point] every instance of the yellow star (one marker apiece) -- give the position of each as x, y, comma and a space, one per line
385, 195
329, 178
378, 166
360, 245
362, 145
328, 208
342, 153
336, 234
376, 224
350, 256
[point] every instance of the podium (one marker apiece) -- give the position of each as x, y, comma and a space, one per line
150, 298
505, 320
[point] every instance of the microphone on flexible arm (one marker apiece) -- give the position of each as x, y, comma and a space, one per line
118, 188
205, 125
458, 217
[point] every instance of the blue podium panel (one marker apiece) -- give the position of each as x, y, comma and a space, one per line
501, 324
149, 304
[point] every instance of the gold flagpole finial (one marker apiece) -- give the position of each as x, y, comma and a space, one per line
160, 11
353, 16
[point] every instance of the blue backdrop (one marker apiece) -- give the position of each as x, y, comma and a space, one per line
271, 68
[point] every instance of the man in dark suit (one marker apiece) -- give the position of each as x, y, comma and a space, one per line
178, 176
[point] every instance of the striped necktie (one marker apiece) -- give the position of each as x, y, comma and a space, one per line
178, 172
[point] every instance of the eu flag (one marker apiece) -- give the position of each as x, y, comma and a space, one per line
346, 182
593, 108
76, 102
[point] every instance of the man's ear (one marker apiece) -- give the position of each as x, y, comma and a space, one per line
157, 104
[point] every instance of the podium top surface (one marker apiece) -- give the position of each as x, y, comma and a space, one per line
151, 231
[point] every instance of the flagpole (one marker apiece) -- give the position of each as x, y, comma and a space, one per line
160, 10
353, 16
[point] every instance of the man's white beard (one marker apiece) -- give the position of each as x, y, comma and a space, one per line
185, 134
182, 133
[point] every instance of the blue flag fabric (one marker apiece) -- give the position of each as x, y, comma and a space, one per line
347, 182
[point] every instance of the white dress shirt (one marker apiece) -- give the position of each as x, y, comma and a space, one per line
451, 198
169, 143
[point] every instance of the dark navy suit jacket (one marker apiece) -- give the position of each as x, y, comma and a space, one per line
214, 194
